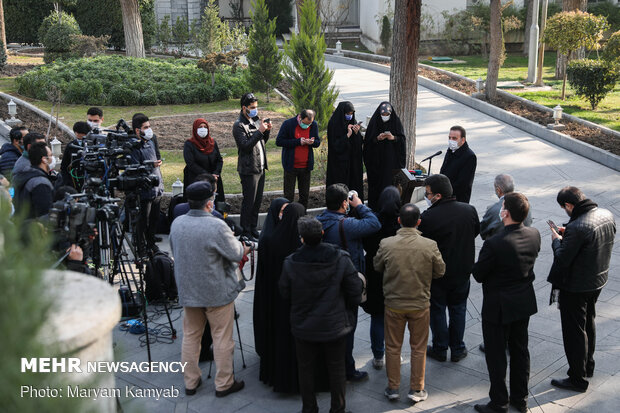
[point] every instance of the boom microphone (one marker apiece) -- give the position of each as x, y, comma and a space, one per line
432, 156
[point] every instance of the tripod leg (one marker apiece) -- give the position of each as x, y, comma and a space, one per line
239, 336
174, 332
210, 365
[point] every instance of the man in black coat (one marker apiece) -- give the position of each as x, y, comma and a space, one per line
34, 194
251, 134
323, 287
70, 168
505, 268
454, 226
459, 164
581, 254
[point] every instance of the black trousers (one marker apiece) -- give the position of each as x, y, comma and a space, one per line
302, 176
252, 187
496, 337
577, 313
147, 221
307, 357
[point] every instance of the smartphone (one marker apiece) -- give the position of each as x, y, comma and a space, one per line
267, 120
360, 122
552, 225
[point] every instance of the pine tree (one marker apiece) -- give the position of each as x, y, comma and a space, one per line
263, 57
305, 69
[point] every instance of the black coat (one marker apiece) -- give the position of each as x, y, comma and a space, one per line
9, 154
454, 226
460, 168
505, 268
581, 258
197, 162
248, 138
34, 193
70, 168
383, 157
323, 287
344, 155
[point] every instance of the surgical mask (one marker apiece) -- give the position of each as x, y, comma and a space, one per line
385, 118
500, 214
428, 201
348, 208
303, 125
453, 145
348, 117
21, 147
52, 164
92, 124
148, 134
202, 132
253, 112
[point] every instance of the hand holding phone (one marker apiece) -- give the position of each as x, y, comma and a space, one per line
553, 226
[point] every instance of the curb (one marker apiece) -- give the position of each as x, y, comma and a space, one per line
64, 128
564, 141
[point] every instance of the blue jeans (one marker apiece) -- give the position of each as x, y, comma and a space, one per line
377, 335
444, 335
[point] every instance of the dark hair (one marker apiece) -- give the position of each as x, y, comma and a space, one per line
206, 177
310, 229
248, 99
95, 111
335, 195
16, 133
409, 215
199, 203
62, 192
307, 114
138, 120
81, 127
517, 204
32, 137
440, 184
571, 195
37, 152
460, 129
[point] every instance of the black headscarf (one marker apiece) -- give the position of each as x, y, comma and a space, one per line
337, 124
382, 157
285, 238
273, 216
389, 204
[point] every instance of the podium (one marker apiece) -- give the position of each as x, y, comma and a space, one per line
406, 182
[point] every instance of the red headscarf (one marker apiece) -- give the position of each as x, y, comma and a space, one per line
206, 144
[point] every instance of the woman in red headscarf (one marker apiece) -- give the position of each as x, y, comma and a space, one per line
202, 156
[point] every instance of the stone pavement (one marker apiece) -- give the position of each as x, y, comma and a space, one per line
540, 170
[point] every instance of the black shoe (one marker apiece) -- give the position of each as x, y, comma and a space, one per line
567, 384
489, 408
589, 374
236, 386
191, 392
481, 348
435, 355
458, 357
359, 375
520, 406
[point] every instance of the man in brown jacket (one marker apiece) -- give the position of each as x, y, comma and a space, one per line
409, 262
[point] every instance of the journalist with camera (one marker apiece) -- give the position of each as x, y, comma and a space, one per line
205, 271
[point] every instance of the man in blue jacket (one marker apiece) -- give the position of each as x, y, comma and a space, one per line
11, 151
347, 233
297, 137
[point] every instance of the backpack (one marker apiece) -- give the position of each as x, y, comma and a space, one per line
159, 278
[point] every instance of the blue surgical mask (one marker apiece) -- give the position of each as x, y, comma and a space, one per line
303, 125
348, 117
253, 112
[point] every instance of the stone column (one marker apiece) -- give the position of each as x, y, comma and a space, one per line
532, 60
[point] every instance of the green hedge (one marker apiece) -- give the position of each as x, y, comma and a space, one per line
592, 79
22, 19
127, 81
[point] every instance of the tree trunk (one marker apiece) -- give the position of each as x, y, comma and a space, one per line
495, 54
528, 24
132, 26
2, 29
561, 61
404, 72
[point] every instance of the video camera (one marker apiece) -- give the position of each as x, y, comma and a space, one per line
73, 221
136, 177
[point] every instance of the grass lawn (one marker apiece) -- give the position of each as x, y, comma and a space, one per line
515, 68
173, 164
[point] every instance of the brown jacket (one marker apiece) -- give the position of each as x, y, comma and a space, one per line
409, 262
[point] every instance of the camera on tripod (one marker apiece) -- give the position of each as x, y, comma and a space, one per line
73, 221
136, 177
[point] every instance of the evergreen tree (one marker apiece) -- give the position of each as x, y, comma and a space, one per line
306, 71
2, 55
283, 11
213, 31
263, 57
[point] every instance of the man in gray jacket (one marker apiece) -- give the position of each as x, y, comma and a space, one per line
206, 257
491, 223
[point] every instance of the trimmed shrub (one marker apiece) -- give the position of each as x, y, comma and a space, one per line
611, 51
592, 79
88, 46
610, 11
56, 33
22, 19
123, 81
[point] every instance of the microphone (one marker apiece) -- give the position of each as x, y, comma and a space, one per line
432, 156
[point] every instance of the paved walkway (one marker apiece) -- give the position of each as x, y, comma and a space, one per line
540, 170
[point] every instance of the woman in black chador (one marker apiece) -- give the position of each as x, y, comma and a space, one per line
344, 149
278, 360
384, 150
388, 207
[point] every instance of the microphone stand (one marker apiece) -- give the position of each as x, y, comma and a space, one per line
430, 161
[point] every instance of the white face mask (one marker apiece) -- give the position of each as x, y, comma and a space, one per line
52, 164
500, 214
202, 132
453, 145
428, 201
92, 124
385, 118
148, 134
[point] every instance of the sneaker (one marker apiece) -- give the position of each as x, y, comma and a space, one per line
458, 357
391, 394
417, 396
358, 376
430, 352
236, 386
377, 363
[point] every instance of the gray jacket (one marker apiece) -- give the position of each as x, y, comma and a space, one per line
206, 255
491, 224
